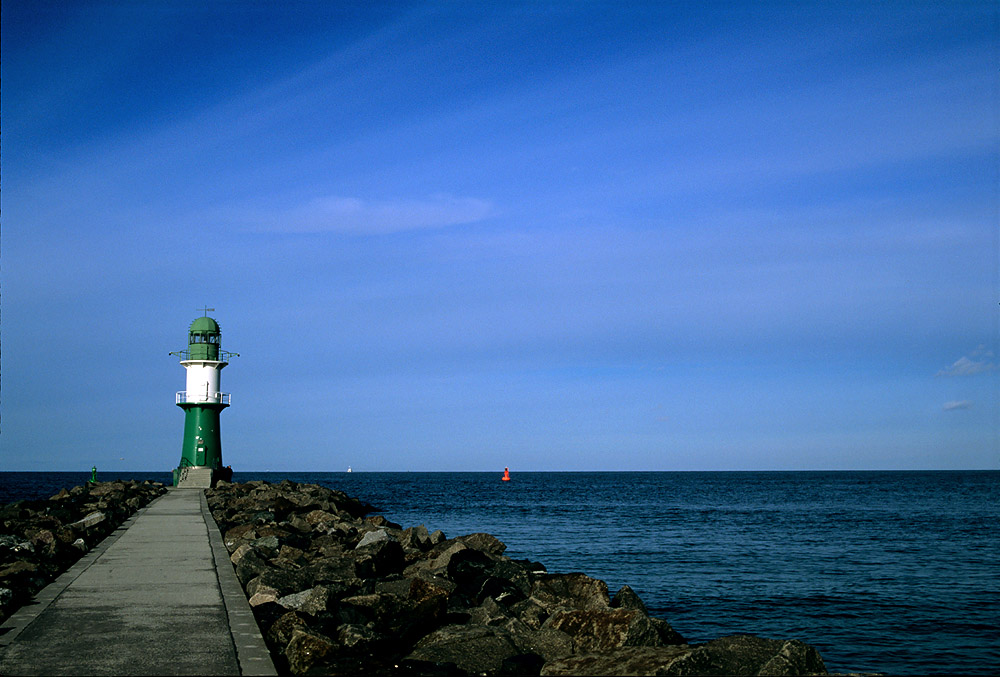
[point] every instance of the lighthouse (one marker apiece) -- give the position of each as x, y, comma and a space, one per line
202, 402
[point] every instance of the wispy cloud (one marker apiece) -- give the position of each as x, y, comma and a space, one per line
978, 361
957, 404
352, 215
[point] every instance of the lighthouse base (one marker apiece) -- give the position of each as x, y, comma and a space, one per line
201, 477
190, 477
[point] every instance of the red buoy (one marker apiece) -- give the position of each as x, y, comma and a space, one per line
506, 475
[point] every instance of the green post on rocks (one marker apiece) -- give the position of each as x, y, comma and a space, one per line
202, 402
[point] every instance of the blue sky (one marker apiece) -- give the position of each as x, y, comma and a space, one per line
544, 235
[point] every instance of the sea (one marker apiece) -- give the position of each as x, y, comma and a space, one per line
883, 572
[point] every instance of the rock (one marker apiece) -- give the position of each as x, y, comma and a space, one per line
484, 543
311, 601
371, 538
667, 634
530, 613
332, 569
749, 655
237, 535
597, 630
267, 546
385, 557
488, 613
401, 617
508, 583
356, 637
80, 545
284, 581
290, 554
280, 632
380, 521
299, 524
318, 517
437, 537
305, 649
237, 554
475, 649
438, 558
263, 595
548, 643
470, 568
738, 655
250, 566
18, 567
640, 661
575, 591
90, 521
416, 538
626, 598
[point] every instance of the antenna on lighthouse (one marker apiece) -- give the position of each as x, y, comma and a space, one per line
206, 310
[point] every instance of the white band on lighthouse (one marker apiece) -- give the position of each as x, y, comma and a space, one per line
203, 380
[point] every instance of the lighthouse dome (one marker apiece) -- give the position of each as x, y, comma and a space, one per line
205, 325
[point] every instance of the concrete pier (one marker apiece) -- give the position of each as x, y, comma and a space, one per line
157, 597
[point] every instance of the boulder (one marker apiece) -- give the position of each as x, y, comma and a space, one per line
416, 538
330, 569
238, 535
574, 591
379, 559
238, 553
305, 649
90, 521
372, 538
530, 613
380, 521
401, 617
311, 601
293, 555
268, 546
484, 543
750, 655
738, 655
359, 638
263, 595
285, 581
548, 643
250, 566
640, 661
318, 517
475, 649
597, 630
626, 598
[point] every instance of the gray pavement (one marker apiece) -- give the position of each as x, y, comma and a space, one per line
157, 597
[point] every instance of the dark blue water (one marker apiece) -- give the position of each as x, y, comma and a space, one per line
892, 572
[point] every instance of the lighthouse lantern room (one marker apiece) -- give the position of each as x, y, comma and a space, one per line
202, 402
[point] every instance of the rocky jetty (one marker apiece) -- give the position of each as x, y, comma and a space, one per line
41, 539
336, 592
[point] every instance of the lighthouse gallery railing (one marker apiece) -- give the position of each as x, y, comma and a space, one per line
213, 398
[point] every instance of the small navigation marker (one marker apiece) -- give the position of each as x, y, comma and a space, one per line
506, 475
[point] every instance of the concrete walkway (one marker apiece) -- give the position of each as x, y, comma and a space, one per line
157, 597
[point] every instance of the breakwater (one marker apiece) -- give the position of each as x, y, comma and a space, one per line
40, 539
335, 591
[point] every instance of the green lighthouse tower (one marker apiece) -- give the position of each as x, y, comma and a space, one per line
202, 402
